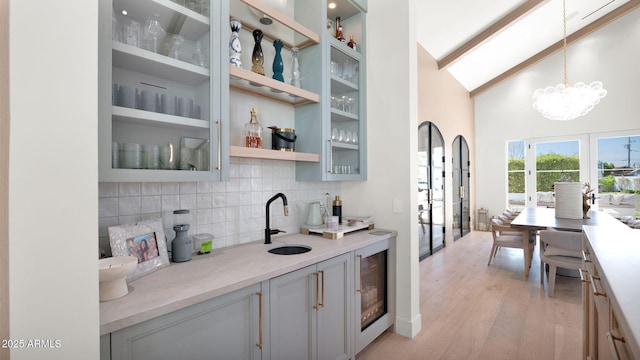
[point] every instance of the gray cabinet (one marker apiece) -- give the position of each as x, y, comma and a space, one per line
310, 310
162, 109
340, 136
226, 327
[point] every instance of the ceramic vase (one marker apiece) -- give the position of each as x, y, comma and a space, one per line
257, 58
235, 48
278, 67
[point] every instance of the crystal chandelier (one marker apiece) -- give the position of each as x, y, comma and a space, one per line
563, 101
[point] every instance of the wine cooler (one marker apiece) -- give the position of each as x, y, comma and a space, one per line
373, 283
373, 293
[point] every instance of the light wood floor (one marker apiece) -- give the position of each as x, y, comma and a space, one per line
471, 311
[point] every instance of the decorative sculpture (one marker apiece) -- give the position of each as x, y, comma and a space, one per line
278, 67
258, 58
235, 48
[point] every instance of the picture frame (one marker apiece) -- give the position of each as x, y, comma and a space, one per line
145, 240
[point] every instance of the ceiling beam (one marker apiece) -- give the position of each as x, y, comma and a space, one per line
588, 29
489, 32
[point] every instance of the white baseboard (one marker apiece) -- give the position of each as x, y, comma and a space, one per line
408, 328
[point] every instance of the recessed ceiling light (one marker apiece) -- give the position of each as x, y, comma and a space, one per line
124, 12
332, 5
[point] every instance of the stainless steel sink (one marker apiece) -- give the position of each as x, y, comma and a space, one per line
290, 250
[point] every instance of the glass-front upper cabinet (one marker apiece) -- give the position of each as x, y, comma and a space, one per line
273, 69
161, 112
343, 129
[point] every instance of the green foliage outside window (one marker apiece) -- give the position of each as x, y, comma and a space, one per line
551, 168
607, 184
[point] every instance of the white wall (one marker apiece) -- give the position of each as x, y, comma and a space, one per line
504, 112
392, 146
53, 179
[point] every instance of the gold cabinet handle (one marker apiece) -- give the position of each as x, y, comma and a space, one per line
219, 164
611, 339
594, 287
584, 276
315, 306
330, 170
321, 305
360, 267
259, 344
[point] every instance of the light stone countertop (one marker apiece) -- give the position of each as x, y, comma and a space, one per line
617, 251
223, 271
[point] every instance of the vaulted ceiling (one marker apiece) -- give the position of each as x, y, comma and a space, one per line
482, 42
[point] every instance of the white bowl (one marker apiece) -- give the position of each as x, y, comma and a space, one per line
112, 275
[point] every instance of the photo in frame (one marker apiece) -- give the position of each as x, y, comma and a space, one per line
144, 240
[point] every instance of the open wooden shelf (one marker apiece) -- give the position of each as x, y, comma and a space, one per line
311, 36
257, 84
245, 152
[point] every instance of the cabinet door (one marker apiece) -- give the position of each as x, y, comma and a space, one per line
105, 347
223, 328
334, 309
341, 136
293, 299
160, 102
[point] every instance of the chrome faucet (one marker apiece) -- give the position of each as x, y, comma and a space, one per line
267, 231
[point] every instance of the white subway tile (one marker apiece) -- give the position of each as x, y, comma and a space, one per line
150, 204
108, 207
203, 201
129, 189
188, 188
170, 202
107, 189
129, 205
170, 188
151, 189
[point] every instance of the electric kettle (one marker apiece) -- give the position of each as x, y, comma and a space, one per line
315, 214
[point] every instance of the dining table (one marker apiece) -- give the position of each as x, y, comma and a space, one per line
535, 219
545, 218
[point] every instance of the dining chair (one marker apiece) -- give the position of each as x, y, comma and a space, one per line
506, 236
421, 219
559, 249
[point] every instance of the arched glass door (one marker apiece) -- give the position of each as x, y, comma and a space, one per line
430, 189
461, 179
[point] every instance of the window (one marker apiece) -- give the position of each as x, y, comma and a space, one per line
516, 174
618, 169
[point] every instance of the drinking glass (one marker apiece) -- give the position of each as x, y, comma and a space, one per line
340, 103
347, 137
348, 104
347, 70
131, 32
354, 137
334, 134
342, 135
153, 33
199, 58
336, 69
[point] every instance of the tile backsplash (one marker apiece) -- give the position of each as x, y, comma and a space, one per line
233, 211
